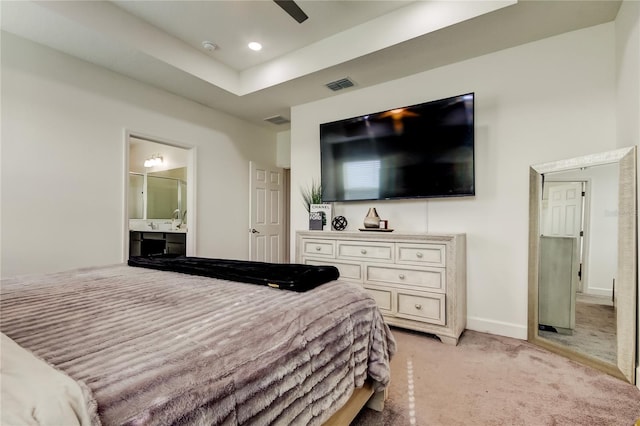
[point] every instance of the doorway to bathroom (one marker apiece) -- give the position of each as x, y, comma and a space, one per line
159, 198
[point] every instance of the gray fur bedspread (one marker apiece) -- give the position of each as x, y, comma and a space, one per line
166, 348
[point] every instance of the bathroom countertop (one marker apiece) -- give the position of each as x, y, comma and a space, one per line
162, 231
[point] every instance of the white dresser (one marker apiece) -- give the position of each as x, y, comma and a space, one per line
418, 280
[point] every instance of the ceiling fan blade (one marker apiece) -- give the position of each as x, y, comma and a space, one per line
292, 9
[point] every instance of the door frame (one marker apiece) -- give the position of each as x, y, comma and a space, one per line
191, 188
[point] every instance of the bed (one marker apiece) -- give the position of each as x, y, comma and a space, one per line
149, 347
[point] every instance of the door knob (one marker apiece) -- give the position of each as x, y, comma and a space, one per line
254, 231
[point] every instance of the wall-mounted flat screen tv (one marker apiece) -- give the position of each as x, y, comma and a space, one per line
424, 150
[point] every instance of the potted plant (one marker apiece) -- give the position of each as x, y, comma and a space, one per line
311, 195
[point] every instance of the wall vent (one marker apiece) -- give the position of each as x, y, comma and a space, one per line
343, 83
277, 119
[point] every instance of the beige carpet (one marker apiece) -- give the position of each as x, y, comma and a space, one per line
594, 334
493, 380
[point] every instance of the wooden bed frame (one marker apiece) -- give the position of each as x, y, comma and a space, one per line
361, 397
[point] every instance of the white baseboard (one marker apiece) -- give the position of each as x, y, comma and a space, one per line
602, 292
497, 327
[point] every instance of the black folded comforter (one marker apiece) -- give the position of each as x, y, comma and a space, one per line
286, 276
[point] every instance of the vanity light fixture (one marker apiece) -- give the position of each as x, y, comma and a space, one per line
154, 160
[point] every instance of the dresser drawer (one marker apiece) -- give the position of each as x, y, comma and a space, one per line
421, 254
421, 307
382, 297
429, 279
348, 271
365, 250
319, 247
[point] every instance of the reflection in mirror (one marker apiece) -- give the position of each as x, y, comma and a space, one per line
578, 259
582, 259
136, 195
165, 196
162, 197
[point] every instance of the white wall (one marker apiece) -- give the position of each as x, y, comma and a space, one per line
628, 72
603, 227
538, 102
284, 149
63, 161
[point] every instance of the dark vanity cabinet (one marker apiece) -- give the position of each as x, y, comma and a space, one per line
143, 243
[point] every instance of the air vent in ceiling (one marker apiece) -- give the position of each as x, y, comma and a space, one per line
343, 83
277, 119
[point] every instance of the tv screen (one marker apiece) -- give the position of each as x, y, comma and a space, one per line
424, 150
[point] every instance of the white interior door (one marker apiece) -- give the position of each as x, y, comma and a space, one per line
267, 215
563, 217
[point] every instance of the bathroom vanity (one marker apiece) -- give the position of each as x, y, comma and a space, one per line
148, 243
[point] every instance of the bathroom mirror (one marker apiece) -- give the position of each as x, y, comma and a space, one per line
136, 195
165, 196
583, 260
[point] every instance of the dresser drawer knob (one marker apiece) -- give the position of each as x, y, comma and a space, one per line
363, 251
318, 248
401, 276
418, 306
419, 255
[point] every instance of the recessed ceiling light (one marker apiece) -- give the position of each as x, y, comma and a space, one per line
254, 45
